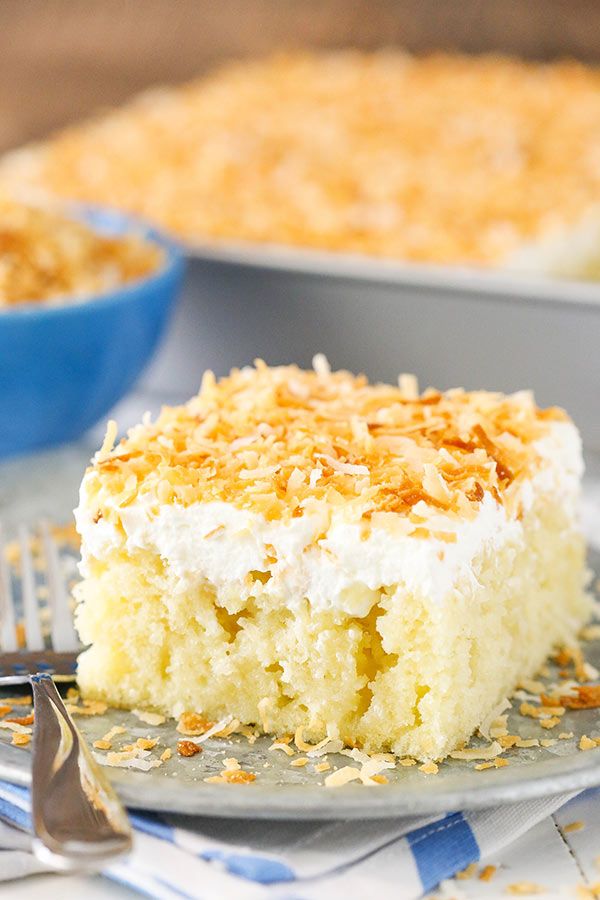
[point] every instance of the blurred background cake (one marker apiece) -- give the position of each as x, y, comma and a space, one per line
398, 184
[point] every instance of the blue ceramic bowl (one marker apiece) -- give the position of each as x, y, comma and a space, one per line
63, 367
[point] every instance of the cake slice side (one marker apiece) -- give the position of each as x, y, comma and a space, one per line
397, 630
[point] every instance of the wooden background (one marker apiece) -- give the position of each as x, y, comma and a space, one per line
61, 59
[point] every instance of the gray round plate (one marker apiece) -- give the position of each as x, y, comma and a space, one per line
282, 791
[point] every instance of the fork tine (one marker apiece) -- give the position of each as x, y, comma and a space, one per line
8, 631
64, 638
31, 612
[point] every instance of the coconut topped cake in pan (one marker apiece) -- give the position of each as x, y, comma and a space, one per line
445, 158
307, 550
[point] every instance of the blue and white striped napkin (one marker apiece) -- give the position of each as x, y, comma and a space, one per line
182, 857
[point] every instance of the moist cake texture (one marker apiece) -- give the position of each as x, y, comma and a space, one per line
444, 158
307, 550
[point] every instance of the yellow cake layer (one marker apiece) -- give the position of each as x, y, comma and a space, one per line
414, 676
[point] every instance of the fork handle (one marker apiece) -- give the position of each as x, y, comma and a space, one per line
78, 822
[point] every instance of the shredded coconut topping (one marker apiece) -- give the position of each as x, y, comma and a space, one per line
315, 150
252, 441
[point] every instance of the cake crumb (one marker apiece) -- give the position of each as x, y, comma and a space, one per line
188, 748
231, 763
586, 743
407, 761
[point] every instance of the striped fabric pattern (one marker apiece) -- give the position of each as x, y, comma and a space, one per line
181, 857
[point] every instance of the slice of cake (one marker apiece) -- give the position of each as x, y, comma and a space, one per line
306, 550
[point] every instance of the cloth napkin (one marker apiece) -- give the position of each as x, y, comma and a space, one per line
182, 857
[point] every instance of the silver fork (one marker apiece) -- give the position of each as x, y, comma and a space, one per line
78, 822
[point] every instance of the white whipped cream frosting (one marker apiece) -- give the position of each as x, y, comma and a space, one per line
224, 545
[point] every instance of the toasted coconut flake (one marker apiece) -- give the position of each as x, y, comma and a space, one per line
333, 745
238, 776
586, 743
590, 632
300, 762
20, 740
587, 697
193, 724
490, 752
541, 712
574, 826
90, 708
342, 776
526, 743
108, 443
277, 745
149, 718
188, 748
21, 720
429, 768
378, 450
146, 743
322, 766
469, 872
228, 729
166, 754
525, 889
14, 726
4, 710
128, 760
114, 731
487, 873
